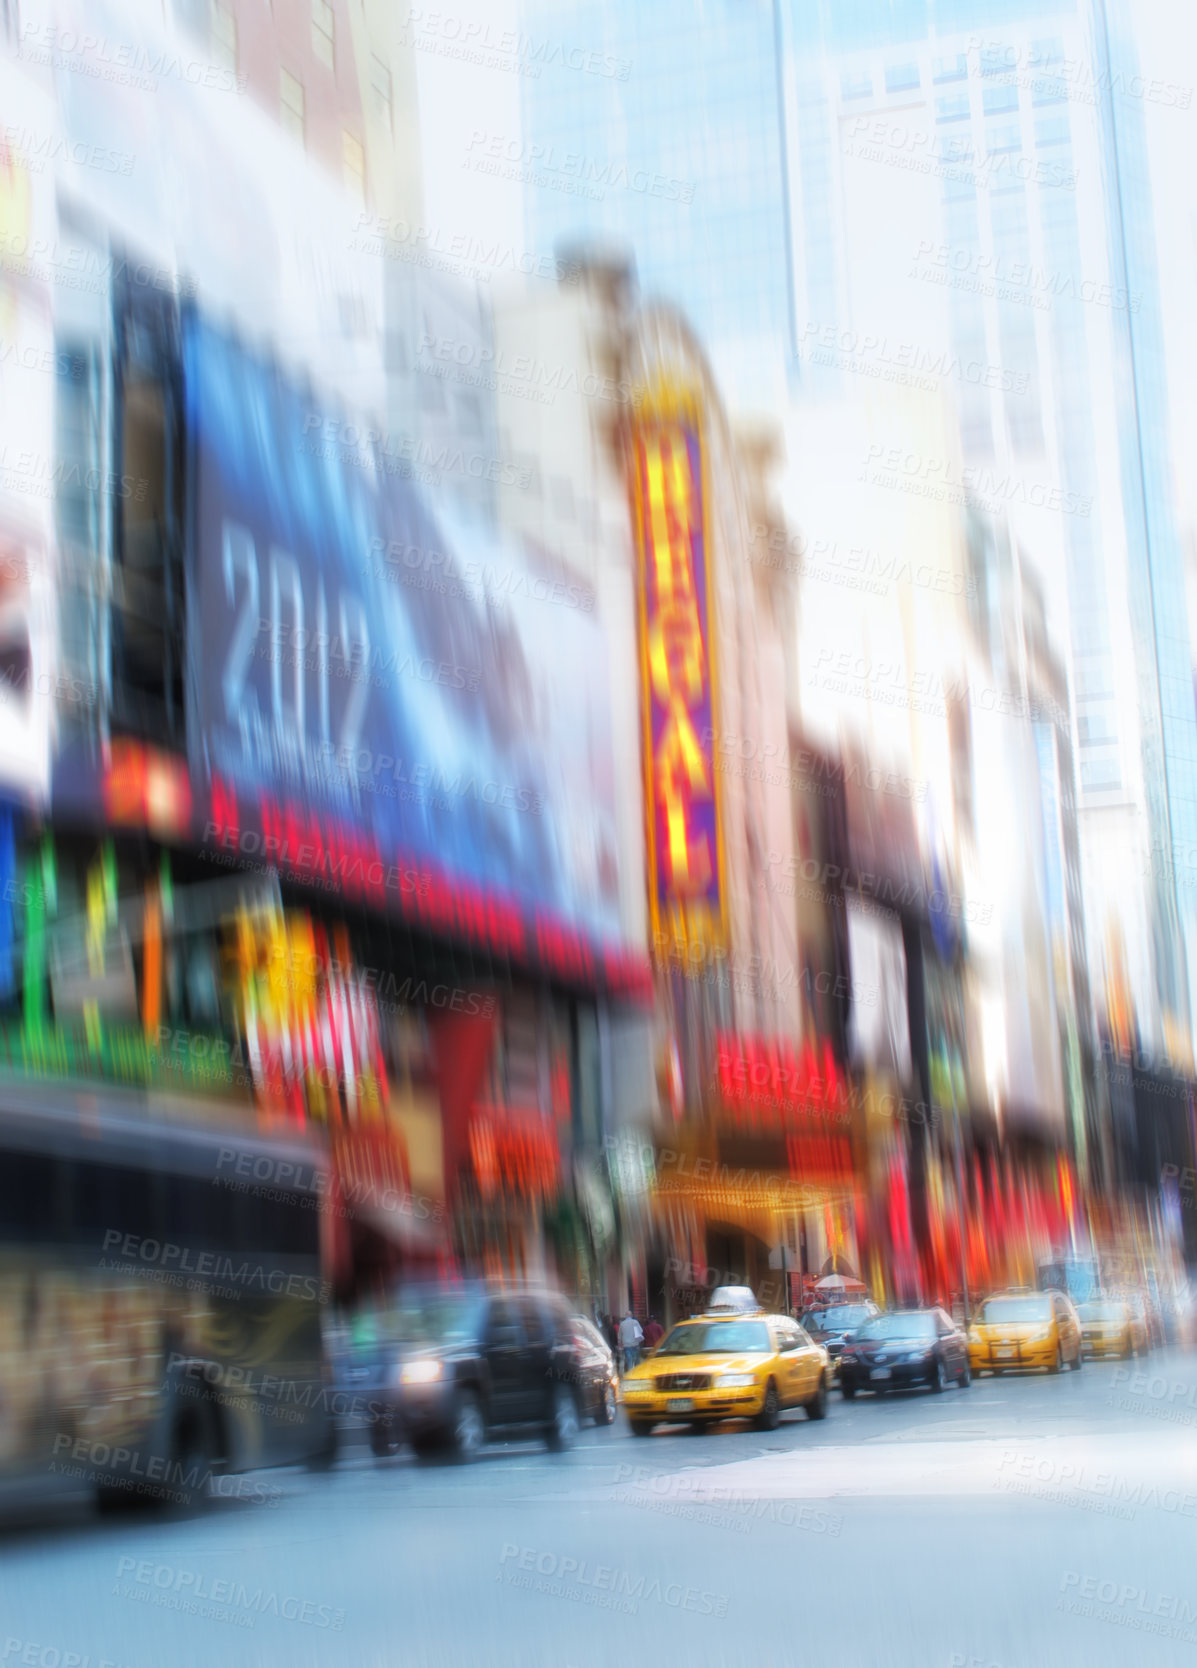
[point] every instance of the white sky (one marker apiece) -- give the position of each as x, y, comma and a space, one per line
457, 100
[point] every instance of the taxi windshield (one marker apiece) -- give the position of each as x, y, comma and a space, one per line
740, 1337
1015, 1311
1103, 1311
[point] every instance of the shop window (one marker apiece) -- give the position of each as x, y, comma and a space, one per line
292, 105
353, 159
901, 78
323, 36
954, 68
382, 94
223, 35
997, 101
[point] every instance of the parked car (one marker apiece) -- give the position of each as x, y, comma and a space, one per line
1110, 1326
1020, 1329
1148, 1312
450, 1366
1176, 1308
834, 1324
728, 1365
905, 1348
598, 1376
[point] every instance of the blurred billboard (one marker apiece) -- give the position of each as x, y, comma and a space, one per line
389, 666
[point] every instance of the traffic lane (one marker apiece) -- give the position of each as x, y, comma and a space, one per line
1157, 1394
409, 1554
490, 1578
1014, 1405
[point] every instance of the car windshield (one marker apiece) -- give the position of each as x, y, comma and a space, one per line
840, 1317
1103, 1311
434, 1318
899, 1326
1005, 1311
740, 1337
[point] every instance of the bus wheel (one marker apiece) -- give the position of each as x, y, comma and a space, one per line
193, 1455
325, 1457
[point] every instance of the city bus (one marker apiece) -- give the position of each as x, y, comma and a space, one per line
161, 1300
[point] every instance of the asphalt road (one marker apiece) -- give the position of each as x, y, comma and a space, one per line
1021, 1522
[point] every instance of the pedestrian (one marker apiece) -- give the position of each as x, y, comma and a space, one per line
631, 1336
653, 1333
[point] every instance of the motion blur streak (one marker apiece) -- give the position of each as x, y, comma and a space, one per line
598, 789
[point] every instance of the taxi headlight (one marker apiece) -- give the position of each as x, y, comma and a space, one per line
734, 1381
1039, 1337
974, 1336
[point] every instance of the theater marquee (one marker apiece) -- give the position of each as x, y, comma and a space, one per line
685, 852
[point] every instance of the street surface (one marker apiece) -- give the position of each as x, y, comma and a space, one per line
1024, 1521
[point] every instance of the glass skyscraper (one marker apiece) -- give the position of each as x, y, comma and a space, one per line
679, 155
969, 176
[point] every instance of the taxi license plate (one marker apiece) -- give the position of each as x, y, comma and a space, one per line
679, 1404
881, 1372
1004, 1354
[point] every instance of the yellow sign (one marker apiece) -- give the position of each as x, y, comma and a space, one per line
685, 850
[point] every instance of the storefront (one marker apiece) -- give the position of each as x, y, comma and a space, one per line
300, 909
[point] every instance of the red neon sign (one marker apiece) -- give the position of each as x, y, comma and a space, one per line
766, 1078
513, 1153
321, 851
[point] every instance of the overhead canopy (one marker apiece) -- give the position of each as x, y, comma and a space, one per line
838, 1284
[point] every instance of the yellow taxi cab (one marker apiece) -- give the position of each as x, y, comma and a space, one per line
1019, 1329
1113, 1326
728, 1364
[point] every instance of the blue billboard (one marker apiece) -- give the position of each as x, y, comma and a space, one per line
383, 679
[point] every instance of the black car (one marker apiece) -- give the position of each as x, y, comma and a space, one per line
904, 1348
835, 1323
449, 1366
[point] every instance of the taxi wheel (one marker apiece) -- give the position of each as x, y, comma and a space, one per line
767, 1418
641, 1427
816, 1408
1078, 1359
1058, 1364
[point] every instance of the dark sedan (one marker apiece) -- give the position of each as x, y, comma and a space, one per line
451, 1366
908, 1348
835, 1324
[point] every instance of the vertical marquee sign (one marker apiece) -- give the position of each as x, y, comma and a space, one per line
685, 852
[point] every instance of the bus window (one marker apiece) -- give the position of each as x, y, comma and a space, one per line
32, 1202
